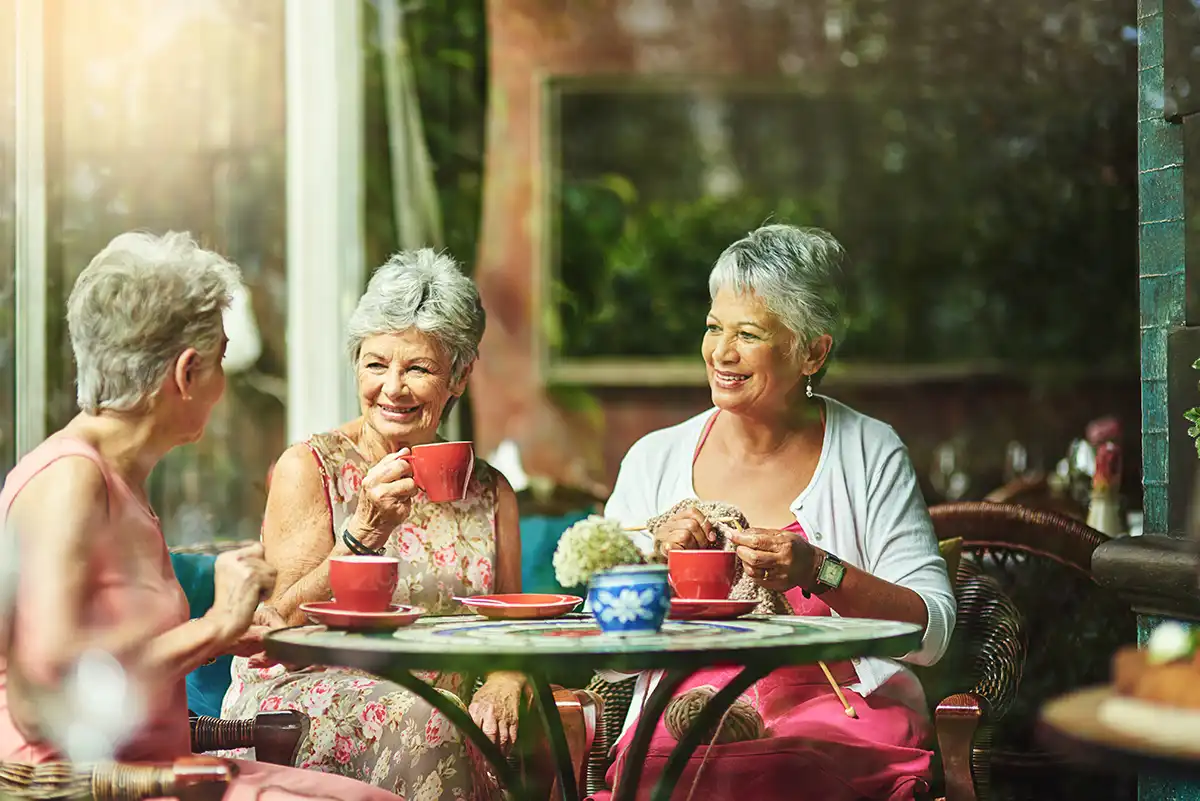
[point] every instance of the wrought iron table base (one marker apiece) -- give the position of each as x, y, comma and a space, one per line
639, 747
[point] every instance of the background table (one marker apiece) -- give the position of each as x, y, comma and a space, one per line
1073, 725
477, 646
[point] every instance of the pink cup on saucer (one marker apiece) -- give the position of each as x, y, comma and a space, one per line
701, 574
443, 469
364, 583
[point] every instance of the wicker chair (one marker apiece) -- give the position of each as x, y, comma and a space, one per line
189, 779
977, 679
274, 735
1042, 562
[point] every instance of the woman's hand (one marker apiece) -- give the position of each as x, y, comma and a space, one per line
777, 560
250, 643
242, 580
688, 529
497, 707
385, 499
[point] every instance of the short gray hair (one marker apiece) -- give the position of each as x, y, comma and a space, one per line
426, 290
141, 302
795, 271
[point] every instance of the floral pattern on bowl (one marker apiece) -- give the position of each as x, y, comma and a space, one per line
630, 600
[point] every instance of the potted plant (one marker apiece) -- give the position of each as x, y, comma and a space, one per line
625, 594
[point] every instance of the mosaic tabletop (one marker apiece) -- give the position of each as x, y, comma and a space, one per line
475, 642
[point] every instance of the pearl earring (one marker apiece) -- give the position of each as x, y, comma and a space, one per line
808, 393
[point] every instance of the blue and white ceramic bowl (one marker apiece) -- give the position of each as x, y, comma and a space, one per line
630, 600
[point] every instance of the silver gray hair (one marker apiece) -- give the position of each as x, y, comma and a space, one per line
141, 302
795, 271
426, 290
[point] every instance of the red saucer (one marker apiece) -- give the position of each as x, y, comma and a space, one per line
522, 605
327, 613
704, 609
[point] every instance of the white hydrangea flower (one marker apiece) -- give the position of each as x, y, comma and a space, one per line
591, 545
1170, 641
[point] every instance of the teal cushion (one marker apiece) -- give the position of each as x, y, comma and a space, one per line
206, 685
539, 538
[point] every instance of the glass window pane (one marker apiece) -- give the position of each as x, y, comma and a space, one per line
980, 168
168, 114
8, 182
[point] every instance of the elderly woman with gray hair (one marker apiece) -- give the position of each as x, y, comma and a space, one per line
413, 341
836, 524
145, 319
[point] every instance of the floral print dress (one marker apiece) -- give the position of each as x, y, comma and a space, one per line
364, 727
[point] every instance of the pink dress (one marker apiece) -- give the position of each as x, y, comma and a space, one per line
130, 574
812, 749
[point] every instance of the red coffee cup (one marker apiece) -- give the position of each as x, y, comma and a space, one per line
443, 469
706, 575
364, 583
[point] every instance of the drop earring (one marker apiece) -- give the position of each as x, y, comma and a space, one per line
808, 392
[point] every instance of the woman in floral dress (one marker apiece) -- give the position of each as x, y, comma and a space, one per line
413, 338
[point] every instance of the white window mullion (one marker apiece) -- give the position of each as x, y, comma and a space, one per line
31, 400
325, 268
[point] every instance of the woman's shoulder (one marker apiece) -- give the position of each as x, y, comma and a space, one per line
861, 431
487, 476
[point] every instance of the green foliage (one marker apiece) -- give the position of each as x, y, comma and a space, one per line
633, 270
1192, 415
447, 41
978, 161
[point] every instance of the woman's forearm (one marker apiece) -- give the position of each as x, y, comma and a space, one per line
184, 648
864, 595
166, 657
311, 587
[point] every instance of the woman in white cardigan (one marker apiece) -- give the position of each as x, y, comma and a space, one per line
838, 525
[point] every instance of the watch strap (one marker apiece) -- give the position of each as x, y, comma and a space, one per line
830, 572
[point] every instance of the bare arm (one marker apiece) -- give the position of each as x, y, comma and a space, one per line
496, 705
55, 517
508, 538
298, 534
864, 595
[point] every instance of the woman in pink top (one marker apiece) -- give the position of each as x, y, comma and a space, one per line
839, 527
145, 319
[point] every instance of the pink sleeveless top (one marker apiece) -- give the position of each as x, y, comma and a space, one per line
795, 524
129, 575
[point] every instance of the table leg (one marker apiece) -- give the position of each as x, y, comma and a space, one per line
462, 721
652, 712
559, 747
705, 721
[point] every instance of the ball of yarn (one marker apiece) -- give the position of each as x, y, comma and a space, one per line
742, 722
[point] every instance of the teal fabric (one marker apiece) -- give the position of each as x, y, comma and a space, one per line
206, 685
539, 538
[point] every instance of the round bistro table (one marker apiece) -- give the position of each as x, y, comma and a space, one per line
478, 646
1085, 727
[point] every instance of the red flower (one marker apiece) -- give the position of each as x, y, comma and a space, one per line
351, 479
343, 749
272, 703
372, 718
435, 729
445, 556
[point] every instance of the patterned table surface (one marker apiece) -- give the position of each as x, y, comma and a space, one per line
470, 642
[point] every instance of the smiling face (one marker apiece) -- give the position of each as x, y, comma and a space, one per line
404, 383
751, 358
